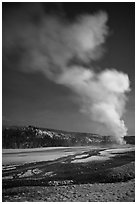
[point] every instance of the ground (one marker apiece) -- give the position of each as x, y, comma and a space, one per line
108, 192
71, 174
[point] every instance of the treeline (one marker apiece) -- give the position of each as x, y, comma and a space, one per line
29, 138
33, 137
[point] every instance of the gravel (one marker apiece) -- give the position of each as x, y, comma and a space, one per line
103, 192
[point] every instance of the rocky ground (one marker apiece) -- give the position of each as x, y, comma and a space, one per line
103, 192
95, 175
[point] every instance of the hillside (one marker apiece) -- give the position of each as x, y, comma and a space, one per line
32, 137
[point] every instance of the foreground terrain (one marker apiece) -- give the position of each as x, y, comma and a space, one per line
69, 174
109, 192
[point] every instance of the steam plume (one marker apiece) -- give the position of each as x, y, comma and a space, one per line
61, 50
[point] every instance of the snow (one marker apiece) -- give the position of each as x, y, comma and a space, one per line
21, 156
92, 158
103, 155
26, 174
81, 156
37, 171
50, 173
7, 177
112, 152
6, 151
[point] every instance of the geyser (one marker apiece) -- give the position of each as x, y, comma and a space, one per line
63, 51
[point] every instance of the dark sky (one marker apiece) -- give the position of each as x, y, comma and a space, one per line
32, 99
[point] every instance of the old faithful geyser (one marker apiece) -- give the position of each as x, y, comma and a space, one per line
101, 96
63, 51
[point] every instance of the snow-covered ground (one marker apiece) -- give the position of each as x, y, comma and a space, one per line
118, 150
45, 148
20, 156
33, 157
103, 155
89, 159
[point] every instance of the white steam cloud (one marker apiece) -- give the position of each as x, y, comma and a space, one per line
61, 50
101, 96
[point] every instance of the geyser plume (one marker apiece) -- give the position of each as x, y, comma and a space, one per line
61, 50
101, 96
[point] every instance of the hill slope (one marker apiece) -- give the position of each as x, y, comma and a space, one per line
32, 137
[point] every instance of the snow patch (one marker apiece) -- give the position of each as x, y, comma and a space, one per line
26, 174
7, 177
50, 173
92, 158
81, 156
36, 171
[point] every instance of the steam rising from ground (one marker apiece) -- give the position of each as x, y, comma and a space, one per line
63, 51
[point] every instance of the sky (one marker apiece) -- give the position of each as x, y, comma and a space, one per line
30, 97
